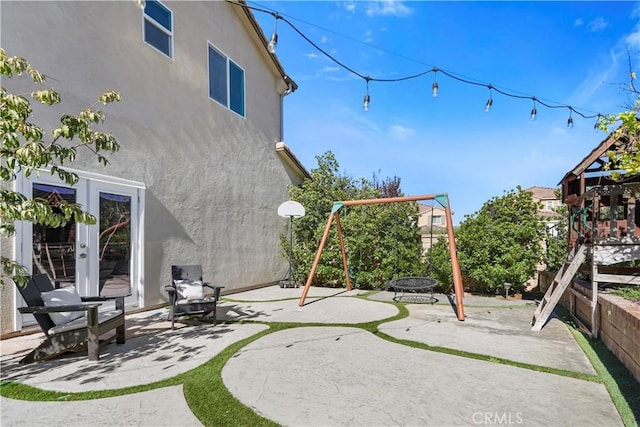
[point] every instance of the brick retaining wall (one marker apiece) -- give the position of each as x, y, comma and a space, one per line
619, 320
620, 330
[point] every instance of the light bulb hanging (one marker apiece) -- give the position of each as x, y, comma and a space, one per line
434, 86
367, 98
534, 111
273, 41
570, 119
487, 107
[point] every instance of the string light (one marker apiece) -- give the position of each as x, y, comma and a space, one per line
367, 98
534, 111
274, 37
570, 119
434, 87
272, 43
489, 101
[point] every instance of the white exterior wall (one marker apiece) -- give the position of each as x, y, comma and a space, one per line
213, 179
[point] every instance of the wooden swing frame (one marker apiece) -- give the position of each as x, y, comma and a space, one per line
442, 199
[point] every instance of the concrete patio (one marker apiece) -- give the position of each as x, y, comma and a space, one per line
334, 374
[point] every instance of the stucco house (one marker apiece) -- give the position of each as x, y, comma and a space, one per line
431, 230
202, 167
549, 203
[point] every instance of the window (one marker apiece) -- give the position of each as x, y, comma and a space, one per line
226, 81
438, 220
549, 204
158, 27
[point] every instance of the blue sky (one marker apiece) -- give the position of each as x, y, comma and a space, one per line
564, 53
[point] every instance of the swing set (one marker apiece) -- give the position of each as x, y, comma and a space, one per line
442, 199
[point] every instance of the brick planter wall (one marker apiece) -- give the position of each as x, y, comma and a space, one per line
619, 320
620, 330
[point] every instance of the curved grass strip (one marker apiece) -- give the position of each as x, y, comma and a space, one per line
622, 387
214, 405
491, 359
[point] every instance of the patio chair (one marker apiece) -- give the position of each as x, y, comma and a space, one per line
61, 316
187, 293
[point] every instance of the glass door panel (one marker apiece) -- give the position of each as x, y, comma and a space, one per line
54, 248
115, 244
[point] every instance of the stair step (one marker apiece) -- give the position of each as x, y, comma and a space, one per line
557, 288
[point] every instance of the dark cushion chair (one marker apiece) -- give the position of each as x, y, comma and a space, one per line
188, 293
67, 320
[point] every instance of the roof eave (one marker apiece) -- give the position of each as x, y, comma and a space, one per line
285, 152
245, 12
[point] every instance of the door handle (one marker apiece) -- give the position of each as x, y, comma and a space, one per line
83, 255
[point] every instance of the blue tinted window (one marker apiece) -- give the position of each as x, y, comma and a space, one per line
157, 27
226, 81
236, 87
159, 13
217, 76
157, 38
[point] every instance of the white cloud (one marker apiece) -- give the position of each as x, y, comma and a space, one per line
389, 8
605, 70
324, 39
311, 55
400, 133
598, 76
578, 22
597, 24
328, 69
350, 7
367, 37
633, 39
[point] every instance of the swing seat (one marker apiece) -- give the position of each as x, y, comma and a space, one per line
413, 289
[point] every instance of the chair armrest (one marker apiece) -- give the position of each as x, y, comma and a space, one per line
216, 289
172, 291
119, 300
103, 298
57, 309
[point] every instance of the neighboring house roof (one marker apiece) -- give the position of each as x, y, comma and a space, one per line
543, 193
261, 40
428, 208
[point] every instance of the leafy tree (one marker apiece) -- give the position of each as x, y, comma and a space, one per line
556, 239
627, 131
439, 259
381, 240
317, 196
501, 243
625, 126
24, 148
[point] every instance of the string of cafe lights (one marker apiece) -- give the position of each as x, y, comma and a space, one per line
273, 40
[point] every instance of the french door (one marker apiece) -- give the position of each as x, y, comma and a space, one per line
100, 259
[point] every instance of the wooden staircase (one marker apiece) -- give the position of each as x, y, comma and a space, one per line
558, 286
